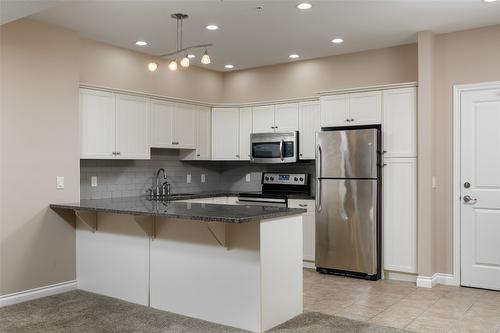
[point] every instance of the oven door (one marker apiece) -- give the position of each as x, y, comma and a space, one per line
274, 147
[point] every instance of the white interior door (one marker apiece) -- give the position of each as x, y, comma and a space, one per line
480, 188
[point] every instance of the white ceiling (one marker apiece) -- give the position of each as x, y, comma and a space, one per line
248, 38
11, 10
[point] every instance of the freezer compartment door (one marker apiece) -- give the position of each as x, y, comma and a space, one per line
347, 153
346, 225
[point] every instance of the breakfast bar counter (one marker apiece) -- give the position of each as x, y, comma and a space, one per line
235, 265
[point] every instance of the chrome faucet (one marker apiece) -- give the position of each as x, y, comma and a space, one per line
156, 191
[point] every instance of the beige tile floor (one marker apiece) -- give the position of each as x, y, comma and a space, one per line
403, 305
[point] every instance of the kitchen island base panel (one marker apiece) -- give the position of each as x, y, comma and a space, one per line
253, 281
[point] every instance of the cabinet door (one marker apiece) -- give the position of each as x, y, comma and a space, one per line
263, 119
400, 215
399, 126
225, 133
184, 126
334, 110
97, 124
203, 133
365, 108
308, 226
161, 124
286, 117
132, 127
309, 124
245, 131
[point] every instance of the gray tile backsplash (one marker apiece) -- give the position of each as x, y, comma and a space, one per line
125, 178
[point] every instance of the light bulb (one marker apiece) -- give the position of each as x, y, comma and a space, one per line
152, 66
172, 65
185, 62
205, 60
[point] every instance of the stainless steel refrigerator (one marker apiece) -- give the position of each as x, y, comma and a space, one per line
348, 203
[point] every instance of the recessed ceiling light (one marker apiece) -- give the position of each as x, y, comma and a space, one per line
229, 66
337, 40
212, 27
293, 56
141, 43
191, 56
304, 5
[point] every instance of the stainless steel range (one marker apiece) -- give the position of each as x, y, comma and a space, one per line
277, 188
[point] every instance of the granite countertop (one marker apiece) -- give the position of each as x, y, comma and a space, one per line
213, 194
181, 210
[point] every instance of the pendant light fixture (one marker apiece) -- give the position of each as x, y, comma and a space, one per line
180, 49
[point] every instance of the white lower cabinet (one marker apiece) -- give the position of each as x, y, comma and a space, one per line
225, 134
400, 214
308, 227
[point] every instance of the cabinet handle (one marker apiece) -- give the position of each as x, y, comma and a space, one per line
113, 153
302, 205
352, 119
300, 154
175, 142
237, 155
348, 120
118, 153
384, 151
198, 155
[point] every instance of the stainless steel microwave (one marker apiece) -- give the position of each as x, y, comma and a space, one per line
281, 147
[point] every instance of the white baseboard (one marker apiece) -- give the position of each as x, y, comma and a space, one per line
398, 276
309, 264
437, 278
28, 295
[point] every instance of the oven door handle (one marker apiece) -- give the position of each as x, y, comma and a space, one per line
281, 149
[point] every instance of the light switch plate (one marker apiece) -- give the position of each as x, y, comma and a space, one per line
247, 178
93, 181
203, 179
59, 182
188, 178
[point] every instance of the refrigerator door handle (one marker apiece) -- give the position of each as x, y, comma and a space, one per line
318, 178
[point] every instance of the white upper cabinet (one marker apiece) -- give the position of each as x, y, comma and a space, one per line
204, 134
400, 122
365, 108
309, 124
225, 134
132, 127
354, 109
400, 214
286, 117
161, 120
97, 124
334, 110
113, 126
263, 119
173, 125
184, 126
245, 131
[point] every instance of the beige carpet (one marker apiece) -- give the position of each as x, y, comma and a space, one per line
79, 311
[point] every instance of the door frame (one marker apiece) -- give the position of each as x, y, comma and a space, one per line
458, 89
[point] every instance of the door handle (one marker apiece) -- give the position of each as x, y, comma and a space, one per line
469, 200
281, 149
318, 178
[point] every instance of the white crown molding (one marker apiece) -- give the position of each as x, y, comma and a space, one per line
31, 294
369, 88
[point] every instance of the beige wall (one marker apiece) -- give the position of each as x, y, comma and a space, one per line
39, 141
305, 78
462, 57
110, 66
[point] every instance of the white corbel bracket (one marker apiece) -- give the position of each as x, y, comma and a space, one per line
87, 217
220, 232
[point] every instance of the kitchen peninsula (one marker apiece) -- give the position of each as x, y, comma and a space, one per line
235, 265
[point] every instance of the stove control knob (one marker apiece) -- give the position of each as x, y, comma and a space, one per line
272, 178
295, 179
301, 179
267, 178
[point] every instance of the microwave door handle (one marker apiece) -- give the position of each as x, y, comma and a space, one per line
281, 149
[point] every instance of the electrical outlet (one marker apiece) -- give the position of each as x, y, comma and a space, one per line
59, 182
188, 178
93, 181
247, 178
203, 179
